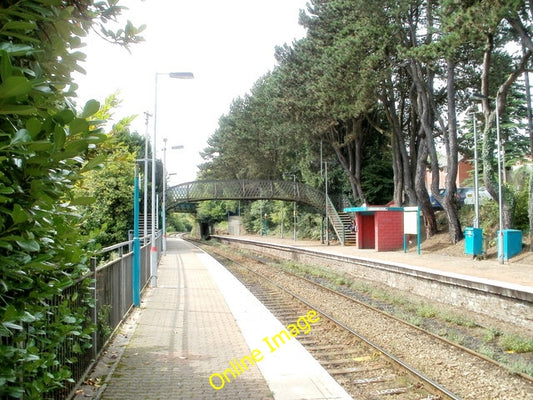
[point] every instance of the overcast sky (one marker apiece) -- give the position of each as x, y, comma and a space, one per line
228, 45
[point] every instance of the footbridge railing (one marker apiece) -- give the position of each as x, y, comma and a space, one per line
192, 192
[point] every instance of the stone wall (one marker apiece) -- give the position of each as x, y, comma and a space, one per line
506, 302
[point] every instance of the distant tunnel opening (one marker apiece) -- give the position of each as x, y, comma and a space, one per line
205, 232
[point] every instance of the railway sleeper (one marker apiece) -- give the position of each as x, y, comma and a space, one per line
351, 370
388, 392
376, 379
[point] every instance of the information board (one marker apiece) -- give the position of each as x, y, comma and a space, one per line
410, 220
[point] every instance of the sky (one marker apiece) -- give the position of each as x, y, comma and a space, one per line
227, 45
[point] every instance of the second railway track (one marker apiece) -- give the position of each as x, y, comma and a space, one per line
422, 366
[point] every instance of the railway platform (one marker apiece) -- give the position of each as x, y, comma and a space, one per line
200, 334
503, 292
516, 271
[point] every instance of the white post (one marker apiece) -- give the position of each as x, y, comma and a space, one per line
500, 199
327, 216
153, 248
145, 183
153, 245
164, 203
294, 207
476, 176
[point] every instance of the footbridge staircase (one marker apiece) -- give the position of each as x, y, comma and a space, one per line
182, 198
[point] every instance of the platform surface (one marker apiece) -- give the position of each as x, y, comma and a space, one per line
196, 327
516, 271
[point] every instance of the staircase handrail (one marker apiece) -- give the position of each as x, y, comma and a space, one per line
336, 221
195, 191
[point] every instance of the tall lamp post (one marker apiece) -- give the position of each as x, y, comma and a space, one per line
136, 273
326, 190
476, 175
164, 202
153, 248
499, 151
294, 203
147, 115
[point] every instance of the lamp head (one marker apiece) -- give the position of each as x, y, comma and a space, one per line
181, 75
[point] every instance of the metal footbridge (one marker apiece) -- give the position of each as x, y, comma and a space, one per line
183, 196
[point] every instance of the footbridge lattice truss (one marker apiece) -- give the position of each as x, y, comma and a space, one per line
181, 196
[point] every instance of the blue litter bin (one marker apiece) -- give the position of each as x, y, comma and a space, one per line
473, 241
512, 243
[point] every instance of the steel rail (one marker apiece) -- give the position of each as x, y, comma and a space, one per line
428, 381
395, 318
382, 265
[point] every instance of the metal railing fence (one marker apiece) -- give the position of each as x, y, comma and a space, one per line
245, 189
110, 285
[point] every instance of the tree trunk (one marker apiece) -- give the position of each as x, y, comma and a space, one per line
397, 172
450, 204
430, 222
403, 183
489, 175
349, 155
424, 90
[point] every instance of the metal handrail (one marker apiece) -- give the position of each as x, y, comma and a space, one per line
196, 191
190, 192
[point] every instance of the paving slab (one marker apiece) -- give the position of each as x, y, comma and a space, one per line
193, 332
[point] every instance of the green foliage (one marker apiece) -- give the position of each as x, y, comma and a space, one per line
254, 216
279, 218
211, 212
521, 213
516, 343
109, 217
366, 88
41, 249
45, 147
488, 217
179, 222
104, 314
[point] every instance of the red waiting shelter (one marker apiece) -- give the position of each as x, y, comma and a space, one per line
378, 227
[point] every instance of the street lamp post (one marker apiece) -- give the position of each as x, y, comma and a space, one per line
500, 199
326, 189
164, 203
294, 203
136, 268
499, 160
147, 115
153, 247
476, 175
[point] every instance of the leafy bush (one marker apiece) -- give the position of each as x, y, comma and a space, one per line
45, 146
177, 222
41, 250
521, 213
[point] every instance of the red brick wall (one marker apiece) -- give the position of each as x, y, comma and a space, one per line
389, 230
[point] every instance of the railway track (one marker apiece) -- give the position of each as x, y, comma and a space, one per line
345, 342
364, 369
